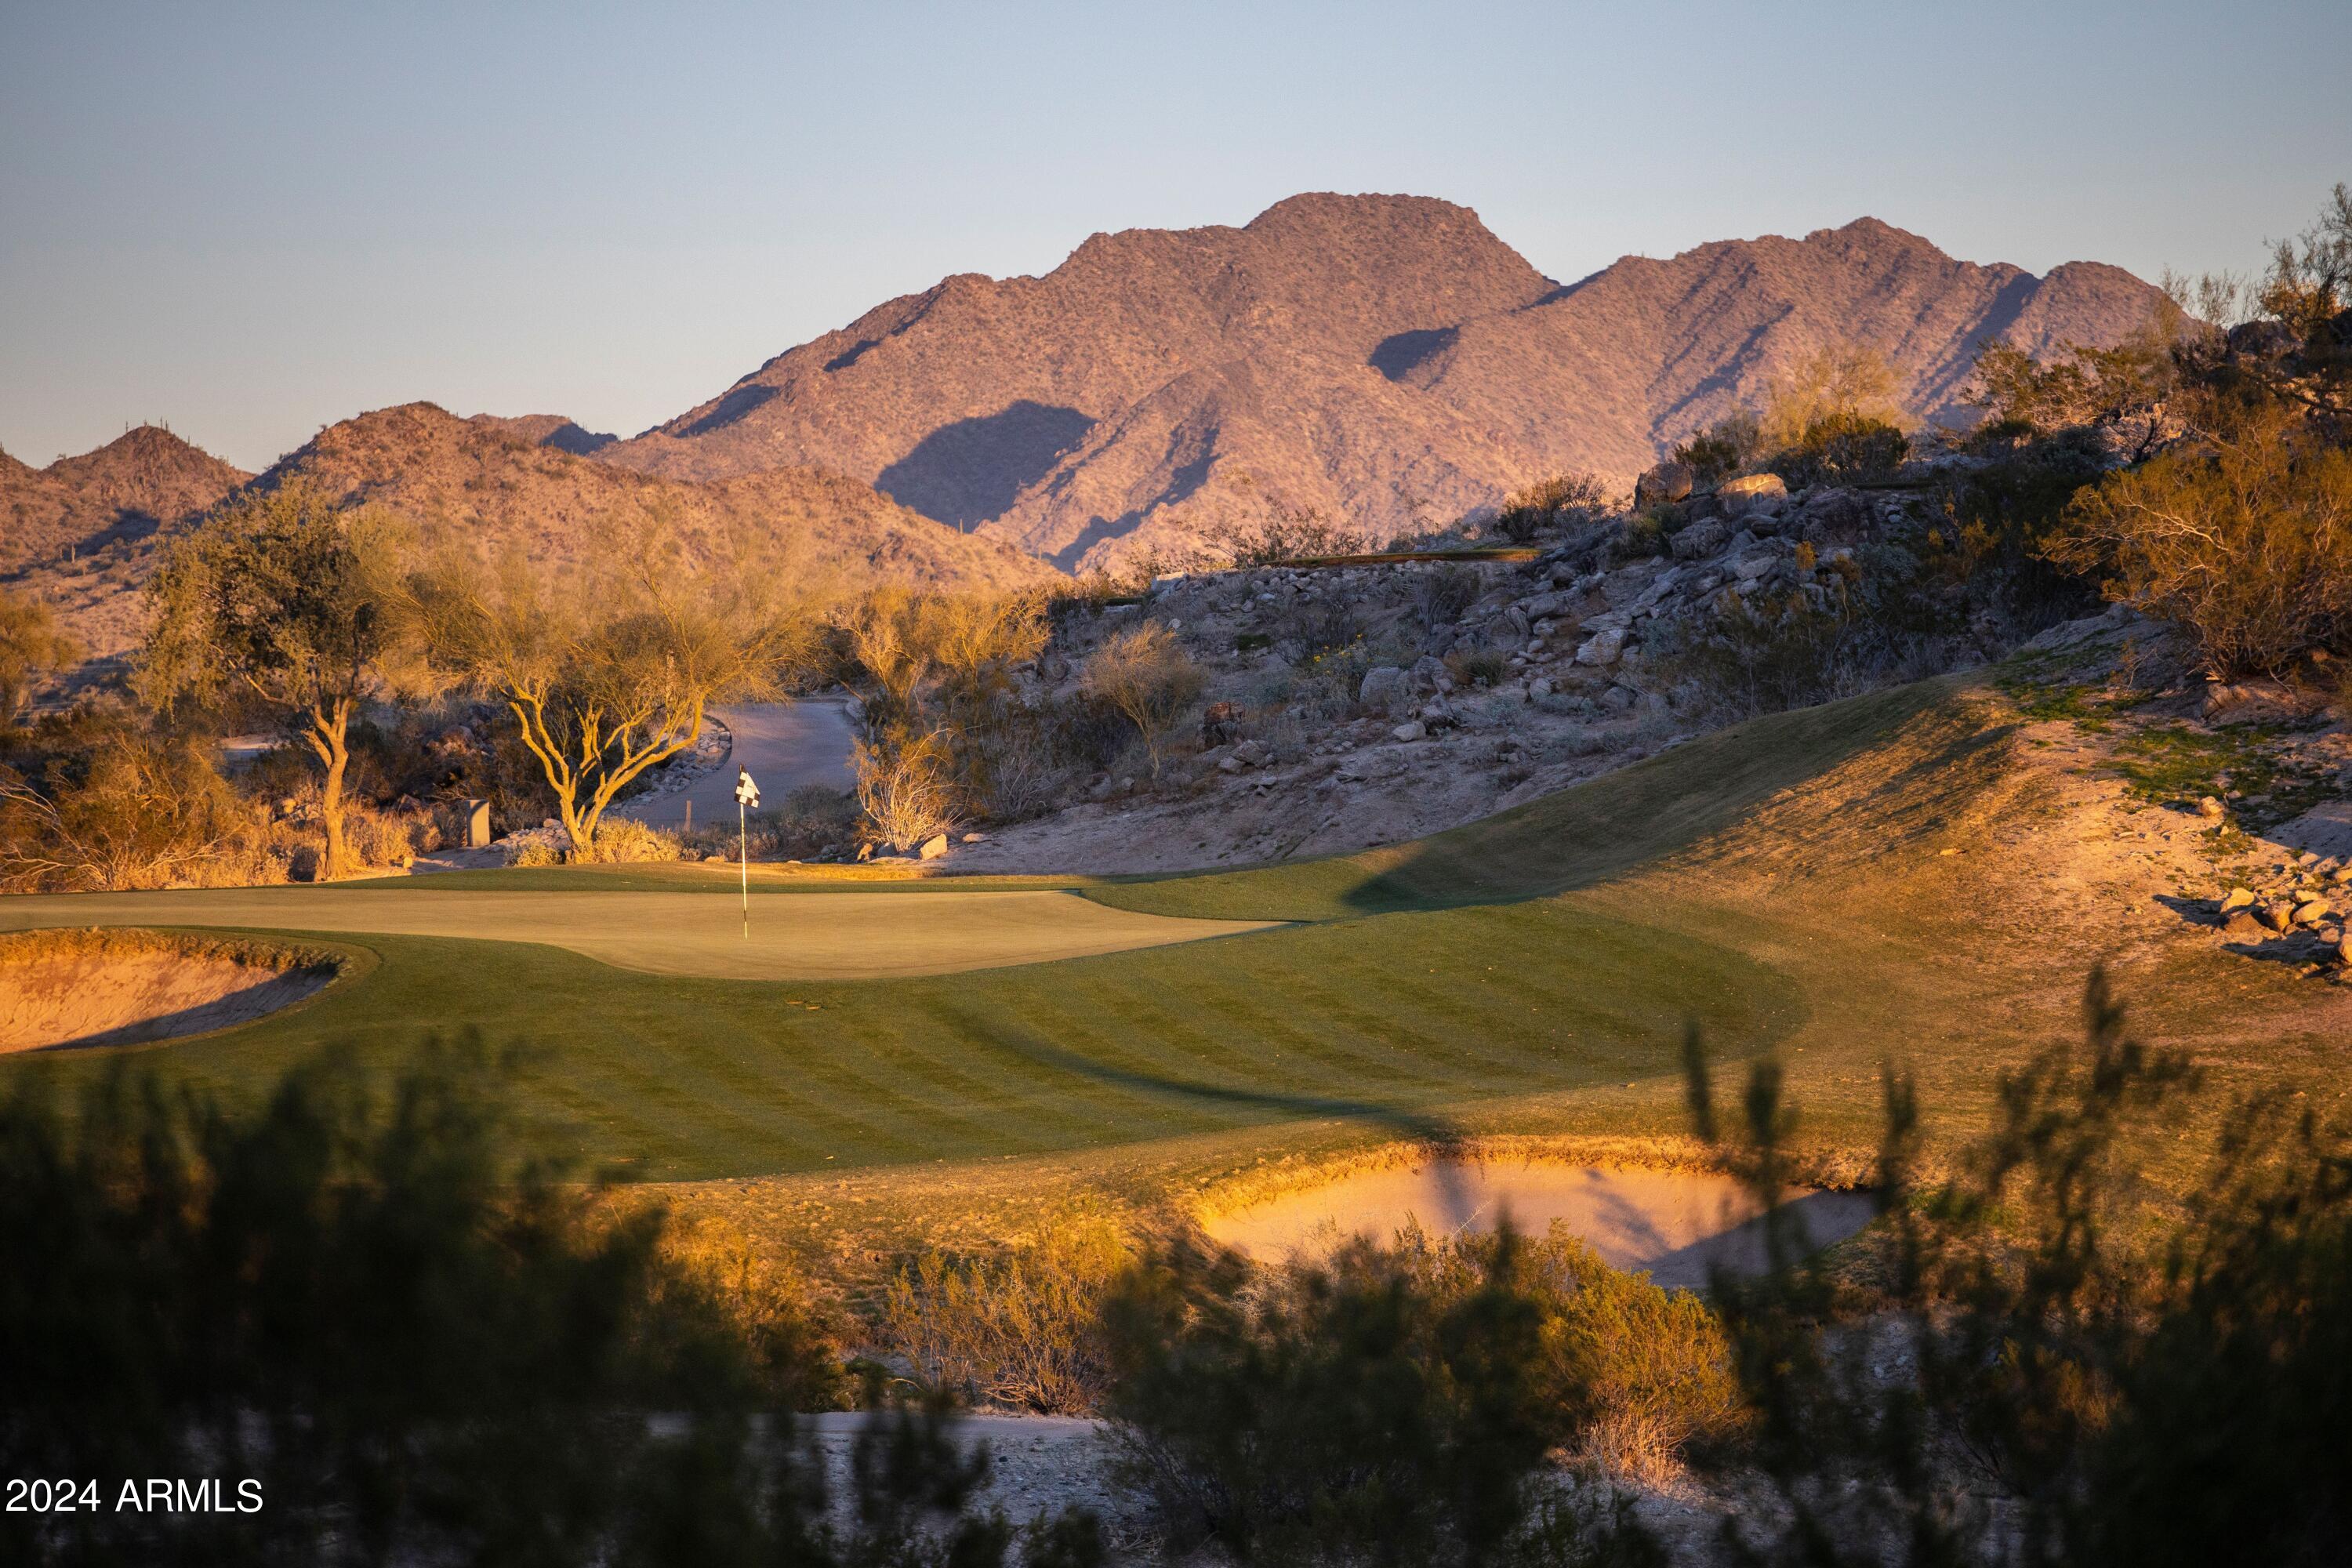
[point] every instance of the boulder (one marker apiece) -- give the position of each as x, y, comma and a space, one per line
1833, 514
1620, 699
1601, 648
1429, 674
2237, 898
934, 846
2278, 916
1666, 483
2241, 926
1410, 730
2211, 809
1752, 493
1700, 539
2311, 913
1384, 687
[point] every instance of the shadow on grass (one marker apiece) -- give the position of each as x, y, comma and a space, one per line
1445, 1139
1586, 834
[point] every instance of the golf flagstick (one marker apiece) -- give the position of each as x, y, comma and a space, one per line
747, 796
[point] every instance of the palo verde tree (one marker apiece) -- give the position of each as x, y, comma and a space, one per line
609, 675
280, 599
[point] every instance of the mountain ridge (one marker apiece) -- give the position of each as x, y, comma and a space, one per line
1386, 360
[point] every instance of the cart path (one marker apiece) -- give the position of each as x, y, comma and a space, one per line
785, 745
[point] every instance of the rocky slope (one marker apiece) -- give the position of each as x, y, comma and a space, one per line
124, 490
1386, 360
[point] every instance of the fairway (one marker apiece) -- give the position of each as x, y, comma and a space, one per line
829, 935
1789, 884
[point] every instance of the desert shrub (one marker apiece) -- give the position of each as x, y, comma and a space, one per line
1548, 503
1023, 1330
1850, 388
809, 820
1390, 1404
1441, 594
31, 645
1840, 449
2245, 540
1317, 626
1723, 451
361, 1297
2002, 515
2050, 1366
387, 838
1290, 534
622, 840
1145, 674
1650, 1368
1472, 666
906, 784
1645, 534
2074, 385
110, 808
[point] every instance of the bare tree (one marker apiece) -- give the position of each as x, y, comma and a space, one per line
609, 677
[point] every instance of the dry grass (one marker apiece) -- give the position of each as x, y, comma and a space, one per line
1020, 1328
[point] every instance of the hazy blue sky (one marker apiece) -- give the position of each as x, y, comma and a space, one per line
249, 221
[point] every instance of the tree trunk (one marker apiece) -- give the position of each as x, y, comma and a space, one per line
333, 725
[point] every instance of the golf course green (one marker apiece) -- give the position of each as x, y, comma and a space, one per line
1530, 960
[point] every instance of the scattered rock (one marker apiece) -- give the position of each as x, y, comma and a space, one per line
1383, 687
1700, 539
1667, 482
1601, 648
1752, 493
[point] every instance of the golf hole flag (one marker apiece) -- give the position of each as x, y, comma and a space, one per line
747, 796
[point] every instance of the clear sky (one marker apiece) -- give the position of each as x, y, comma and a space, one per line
249, 221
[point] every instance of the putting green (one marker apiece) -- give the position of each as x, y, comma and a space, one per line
830, 935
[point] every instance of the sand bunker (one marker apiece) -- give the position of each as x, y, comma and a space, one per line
1676, 1225
70, 988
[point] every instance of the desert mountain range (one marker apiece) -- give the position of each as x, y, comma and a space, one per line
1386, 360
83, 532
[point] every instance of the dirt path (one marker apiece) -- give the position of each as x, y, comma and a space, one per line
811, 936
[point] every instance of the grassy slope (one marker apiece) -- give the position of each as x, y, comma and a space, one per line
1841, 884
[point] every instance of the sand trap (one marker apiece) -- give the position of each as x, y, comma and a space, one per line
71, 988
827, 935
1673, 1224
